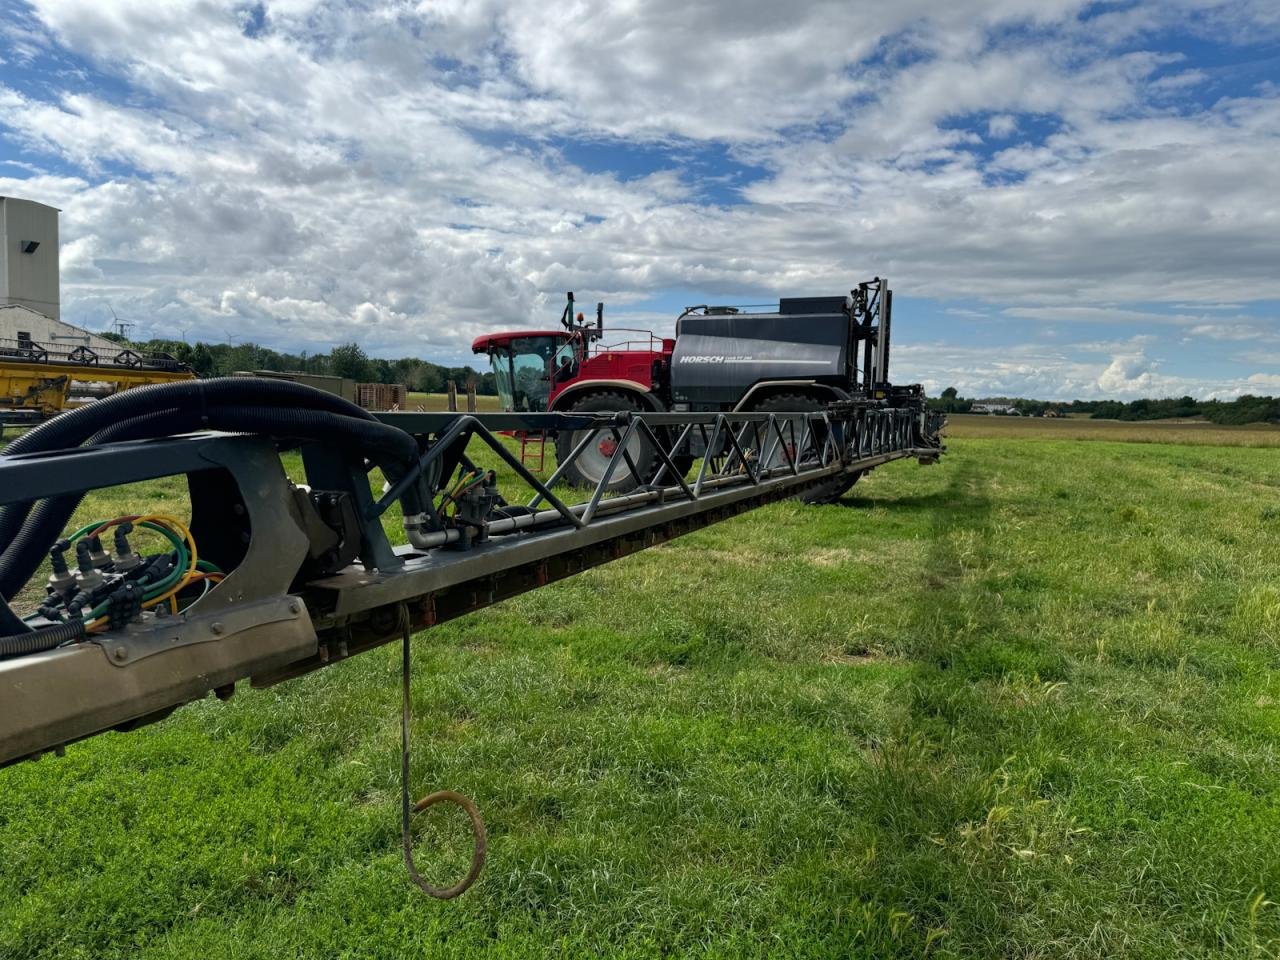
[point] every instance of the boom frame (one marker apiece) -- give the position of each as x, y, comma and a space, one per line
271, 619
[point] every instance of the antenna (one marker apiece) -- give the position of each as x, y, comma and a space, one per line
566, 318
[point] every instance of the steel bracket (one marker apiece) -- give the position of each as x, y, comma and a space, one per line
157, 634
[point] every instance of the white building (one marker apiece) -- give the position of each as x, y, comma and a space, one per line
29, 291
18, 322
29, 255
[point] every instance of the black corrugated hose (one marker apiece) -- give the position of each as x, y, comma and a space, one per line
234, 404
10, 622
46, 638
73, 428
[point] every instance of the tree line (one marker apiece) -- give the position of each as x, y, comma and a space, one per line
1244, 409
348, 360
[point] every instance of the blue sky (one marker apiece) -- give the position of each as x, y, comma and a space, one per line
1072, 199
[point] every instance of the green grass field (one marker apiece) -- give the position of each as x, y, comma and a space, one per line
440, 401
982, 426
1021, 704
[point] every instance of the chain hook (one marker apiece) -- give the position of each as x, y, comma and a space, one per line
480, 847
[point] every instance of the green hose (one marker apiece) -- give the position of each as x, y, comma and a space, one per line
181, 565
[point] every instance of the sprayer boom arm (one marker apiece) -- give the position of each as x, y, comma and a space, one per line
306, 574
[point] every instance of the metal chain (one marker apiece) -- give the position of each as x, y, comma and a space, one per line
431, 799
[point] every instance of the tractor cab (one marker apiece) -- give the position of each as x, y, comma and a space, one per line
531, 366
523, 365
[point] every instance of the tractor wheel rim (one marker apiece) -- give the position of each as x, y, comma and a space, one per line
593, 461
778, 455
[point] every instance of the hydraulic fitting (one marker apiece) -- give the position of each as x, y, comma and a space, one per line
97, 555
89, 578
126, 558
61, 581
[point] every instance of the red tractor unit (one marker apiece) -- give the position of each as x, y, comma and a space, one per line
799, 357
538, 371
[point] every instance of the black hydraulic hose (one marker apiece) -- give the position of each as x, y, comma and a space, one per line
46, 638
389, 447
10, 622
73, 428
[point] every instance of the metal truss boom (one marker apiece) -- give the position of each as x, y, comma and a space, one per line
281, 612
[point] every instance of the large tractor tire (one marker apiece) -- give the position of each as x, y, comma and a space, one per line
588, 469
799, 403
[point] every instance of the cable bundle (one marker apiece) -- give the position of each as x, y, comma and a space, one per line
159, 579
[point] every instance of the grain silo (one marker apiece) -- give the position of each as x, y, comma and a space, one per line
29, 256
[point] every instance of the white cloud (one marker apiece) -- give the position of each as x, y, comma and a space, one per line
412, 175
1002, 125
1137, 343
1226, 329
1122, 370
1098, 314
1265, 358
1128, 375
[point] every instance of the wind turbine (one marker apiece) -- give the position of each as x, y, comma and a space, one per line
122, 327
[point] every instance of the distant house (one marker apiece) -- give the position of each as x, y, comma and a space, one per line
982, 406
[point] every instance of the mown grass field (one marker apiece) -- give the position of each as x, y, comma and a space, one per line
440, 401
1020, 704
982, 426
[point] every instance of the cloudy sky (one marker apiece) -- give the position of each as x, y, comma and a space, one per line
1071, 199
